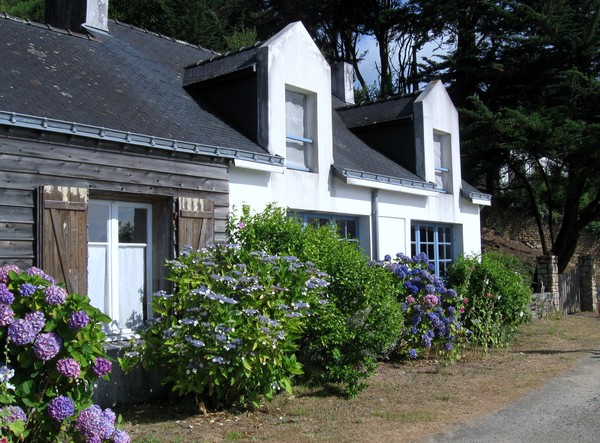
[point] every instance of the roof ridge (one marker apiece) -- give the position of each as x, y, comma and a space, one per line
220, 56
159, 35
26, 21
381, 100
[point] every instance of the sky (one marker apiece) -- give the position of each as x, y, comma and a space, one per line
368, 65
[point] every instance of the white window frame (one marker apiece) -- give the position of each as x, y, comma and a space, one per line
305, 137
113, 274
442, 158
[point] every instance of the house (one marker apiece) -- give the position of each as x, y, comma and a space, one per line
119, 146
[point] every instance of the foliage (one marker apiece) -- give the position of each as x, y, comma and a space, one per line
52, 347
497, 297
229, 332
364, 318
31, 9
432, 312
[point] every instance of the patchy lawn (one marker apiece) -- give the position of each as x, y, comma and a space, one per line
404, 402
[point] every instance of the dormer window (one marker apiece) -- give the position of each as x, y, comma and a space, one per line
442, 162
300, 147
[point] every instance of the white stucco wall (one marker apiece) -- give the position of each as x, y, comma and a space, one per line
291, 60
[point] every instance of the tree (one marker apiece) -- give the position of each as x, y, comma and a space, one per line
539, 118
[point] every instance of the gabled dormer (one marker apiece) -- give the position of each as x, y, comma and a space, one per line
278, 93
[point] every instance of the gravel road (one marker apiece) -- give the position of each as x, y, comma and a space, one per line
566, 409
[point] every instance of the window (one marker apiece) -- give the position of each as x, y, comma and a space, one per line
299, 144
442, 161
119, 261
346, 226
435, 241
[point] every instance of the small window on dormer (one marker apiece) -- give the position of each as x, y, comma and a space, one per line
442, 162
299, 142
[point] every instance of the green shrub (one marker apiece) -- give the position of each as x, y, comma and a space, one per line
364, 319
53, 353
497, 296
228, 333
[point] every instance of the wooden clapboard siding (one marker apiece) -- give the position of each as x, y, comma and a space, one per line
17, 226
106, 170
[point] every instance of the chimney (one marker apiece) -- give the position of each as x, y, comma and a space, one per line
342, 81
75, 15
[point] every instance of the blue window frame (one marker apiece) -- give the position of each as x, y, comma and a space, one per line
346, 226
436, 241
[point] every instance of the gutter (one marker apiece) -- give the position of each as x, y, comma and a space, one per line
386, 182
99, 133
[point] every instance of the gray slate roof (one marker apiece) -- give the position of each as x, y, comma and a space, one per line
129, 80
380, 111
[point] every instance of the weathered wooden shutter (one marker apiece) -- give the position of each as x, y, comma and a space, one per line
63, 235
195, 223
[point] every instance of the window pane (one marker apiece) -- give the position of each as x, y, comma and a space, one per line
351, 229
131, 288
132, 225
97, 275
296, 154
295, 105
97, 222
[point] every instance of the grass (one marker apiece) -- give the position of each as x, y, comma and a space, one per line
406, 402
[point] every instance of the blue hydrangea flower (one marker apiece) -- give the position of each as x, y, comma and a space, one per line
92, 423
102, 366
6, 315
27, 289
78, 320
21, 332
37, 271
11, 414
6, 296
55, 295
60, 408
121, 437
37, 319
412, 353
69, 367
47, 345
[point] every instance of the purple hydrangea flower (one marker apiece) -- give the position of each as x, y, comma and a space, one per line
12, 413
102, 366
21, 332
37, 271
27, 289
61, 408
55, 295
4, 270
78, 320
47, 345
6, 296
6, 315
121, 437
93, 423
37, 319
69, 367
412, 353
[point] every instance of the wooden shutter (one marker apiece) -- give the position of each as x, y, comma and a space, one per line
195, 223
63, 235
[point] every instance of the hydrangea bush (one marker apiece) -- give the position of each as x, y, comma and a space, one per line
51, 344
432, 311
228, 332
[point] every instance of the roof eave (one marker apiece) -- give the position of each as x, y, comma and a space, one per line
100, 133
386, 182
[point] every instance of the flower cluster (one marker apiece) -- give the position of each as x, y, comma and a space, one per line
432, 311
43, 326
